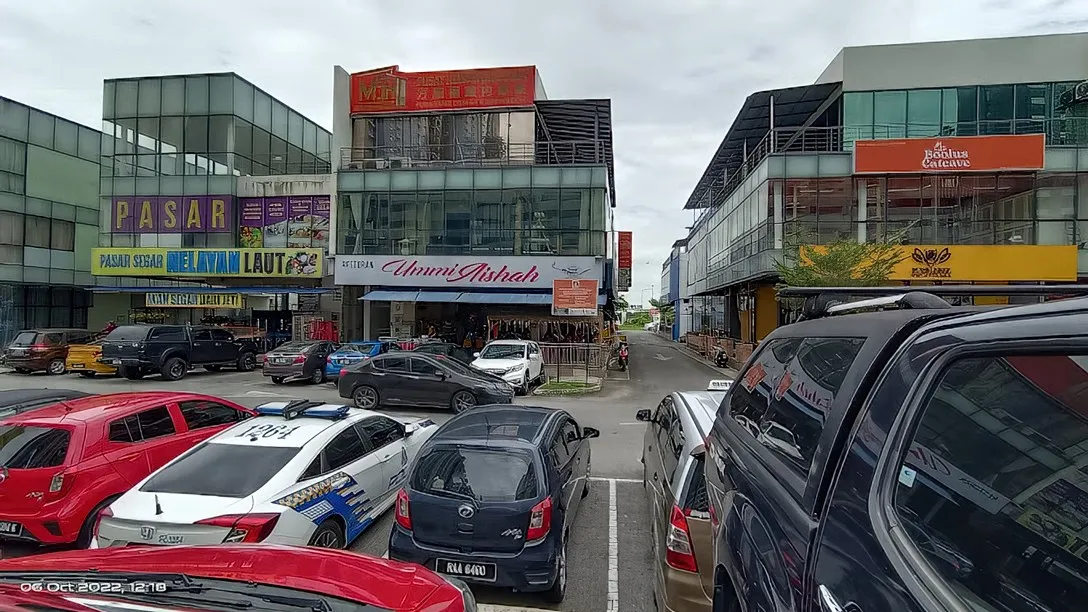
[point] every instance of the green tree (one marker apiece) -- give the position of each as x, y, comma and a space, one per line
666, 309
621, 303
844, 262
637, 319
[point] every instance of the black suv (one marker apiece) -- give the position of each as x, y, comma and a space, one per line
929, 458
172, 350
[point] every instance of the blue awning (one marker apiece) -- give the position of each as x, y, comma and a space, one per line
390, 296
504, 298
438, 296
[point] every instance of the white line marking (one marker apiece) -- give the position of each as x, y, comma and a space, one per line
613, 551
598, 479
633, 423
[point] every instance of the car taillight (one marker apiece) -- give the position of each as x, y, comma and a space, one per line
678, 553
106, 512
540, 521
404, 515
300, 359
264, 358
244, 527
38, 347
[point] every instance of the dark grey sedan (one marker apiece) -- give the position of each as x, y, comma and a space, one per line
298, 360
413, 379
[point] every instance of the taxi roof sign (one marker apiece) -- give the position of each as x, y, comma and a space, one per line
719, 385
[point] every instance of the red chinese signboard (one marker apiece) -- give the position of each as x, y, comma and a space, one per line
388, 90
624, 255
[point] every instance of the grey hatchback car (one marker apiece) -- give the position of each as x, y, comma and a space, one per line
298, 360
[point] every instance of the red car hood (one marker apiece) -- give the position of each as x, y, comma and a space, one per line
379, 582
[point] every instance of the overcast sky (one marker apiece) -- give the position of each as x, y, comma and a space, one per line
677, 71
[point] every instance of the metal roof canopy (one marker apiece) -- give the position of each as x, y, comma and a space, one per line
792, 108
242, 290
584, 120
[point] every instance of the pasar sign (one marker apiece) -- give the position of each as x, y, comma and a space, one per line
172, 214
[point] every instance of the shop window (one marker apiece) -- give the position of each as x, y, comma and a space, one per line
172, 134
37, 232
63, 235
890, 114
1055, 196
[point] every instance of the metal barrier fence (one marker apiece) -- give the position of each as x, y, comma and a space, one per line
575, 362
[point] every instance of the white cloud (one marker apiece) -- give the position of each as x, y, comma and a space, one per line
677, 71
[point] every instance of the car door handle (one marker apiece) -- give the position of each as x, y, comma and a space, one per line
828, 602
385, 457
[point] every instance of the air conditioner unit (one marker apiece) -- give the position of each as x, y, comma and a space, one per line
1080, 92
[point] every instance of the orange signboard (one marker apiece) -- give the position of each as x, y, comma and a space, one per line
574, 296
388, 90
950, 155
624, 255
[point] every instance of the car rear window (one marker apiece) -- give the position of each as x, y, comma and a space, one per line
24, 339
479, 474
201, 472
294, 347
359, 348
696, 496
26, 448
127, 334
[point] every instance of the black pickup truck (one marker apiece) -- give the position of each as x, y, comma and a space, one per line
172, 350
930, 457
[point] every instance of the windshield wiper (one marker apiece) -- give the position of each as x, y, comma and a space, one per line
181, 588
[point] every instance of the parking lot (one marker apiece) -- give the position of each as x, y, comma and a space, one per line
610, 559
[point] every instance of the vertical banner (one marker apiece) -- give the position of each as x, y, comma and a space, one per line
322, 220
275, 223
299, 221
624, 260
252, 223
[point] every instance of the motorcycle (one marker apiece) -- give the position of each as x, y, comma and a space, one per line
721, 359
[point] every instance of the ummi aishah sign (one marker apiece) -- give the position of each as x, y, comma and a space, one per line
462, 272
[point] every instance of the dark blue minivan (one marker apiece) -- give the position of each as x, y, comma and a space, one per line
491, 498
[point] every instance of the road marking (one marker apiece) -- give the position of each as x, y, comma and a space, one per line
613, 551
262, 394
498, 608
599, 479
633, 423
660, 357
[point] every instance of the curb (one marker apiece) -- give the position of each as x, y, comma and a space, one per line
696, 356
568, 392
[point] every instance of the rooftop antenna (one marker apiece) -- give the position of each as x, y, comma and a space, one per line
158, 508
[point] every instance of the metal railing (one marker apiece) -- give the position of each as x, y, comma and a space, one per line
1067, 132
575, 362
486, 154
469, 242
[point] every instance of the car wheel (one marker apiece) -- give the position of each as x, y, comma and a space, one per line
725, 598
318, 376
365, 397
328, 535
174, 369
462, 401
86, 532
57, 367
278, 380
543, 377
247, 362
525, 386
558, 590
213, 368
87, 374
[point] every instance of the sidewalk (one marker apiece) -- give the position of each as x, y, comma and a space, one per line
729, 373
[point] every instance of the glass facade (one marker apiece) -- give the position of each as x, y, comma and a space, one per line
445, 137
968, 111
48, 218
191, 135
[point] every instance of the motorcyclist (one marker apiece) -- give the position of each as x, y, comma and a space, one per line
623, 356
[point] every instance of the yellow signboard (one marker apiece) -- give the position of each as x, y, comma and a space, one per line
236, 263
193, 300
984, 263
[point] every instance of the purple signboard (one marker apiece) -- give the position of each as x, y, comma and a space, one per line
322, 219
251, 222
299, 224
172, 214
275, 222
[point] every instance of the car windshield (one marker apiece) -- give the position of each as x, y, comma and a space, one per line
294, 347
24, 339
503, 351
201, 472
26, 448
479, 474
362, 347
128, 333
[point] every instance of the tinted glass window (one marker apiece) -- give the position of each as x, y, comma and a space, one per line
570, 432
313, 470
380, 431
696, 498
202, 335
54, 339
478, 474
130, 333
433, 348
365, 349
559, 451
343, 449
392, 364
24, 339
155, 422
202, 413
422, 366
222, 335
783, 397
503, 351
168, 334
33, 447
200, 472
125, 430
294, 347
994, 487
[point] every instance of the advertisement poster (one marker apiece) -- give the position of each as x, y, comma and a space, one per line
275, 223
293, 222
251, 231
237, 263
574, 297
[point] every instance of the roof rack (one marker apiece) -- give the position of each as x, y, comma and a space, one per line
827, 301
296, 408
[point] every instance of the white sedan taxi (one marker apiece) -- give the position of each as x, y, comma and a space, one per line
301, 473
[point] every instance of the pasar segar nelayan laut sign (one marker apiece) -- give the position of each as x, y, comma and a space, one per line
238, 263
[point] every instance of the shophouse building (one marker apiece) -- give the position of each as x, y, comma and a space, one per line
463, 197
48, 218
972, 154
209, 180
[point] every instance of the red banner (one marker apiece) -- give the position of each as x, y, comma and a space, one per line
388, 90
951, 154
624, 254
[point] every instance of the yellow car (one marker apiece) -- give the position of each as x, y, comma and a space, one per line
83, 359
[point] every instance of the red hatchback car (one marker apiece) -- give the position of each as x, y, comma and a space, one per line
63, 463
223, 577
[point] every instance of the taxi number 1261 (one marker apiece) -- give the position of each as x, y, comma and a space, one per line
268, 430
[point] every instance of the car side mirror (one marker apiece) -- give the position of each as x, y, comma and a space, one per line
643, 415
476, 355
590, 432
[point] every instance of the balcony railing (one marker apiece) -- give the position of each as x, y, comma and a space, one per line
1063, 132
475, 242
488, 154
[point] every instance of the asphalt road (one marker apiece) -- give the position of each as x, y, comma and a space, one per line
612, 531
